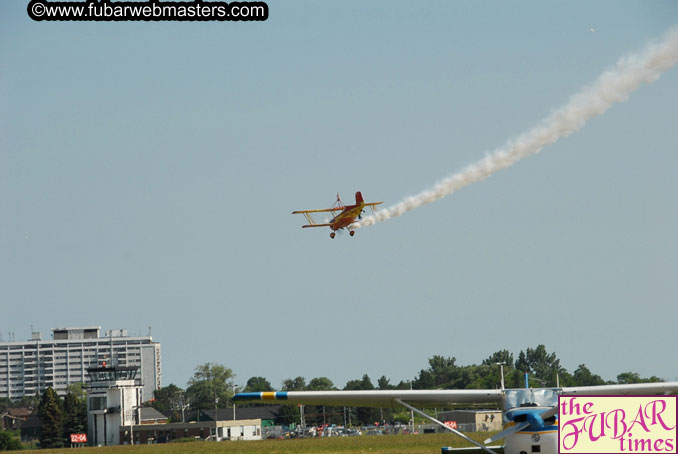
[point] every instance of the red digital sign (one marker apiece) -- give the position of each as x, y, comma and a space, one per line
451, 424
78, 438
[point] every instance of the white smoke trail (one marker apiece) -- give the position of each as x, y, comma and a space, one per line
611, 87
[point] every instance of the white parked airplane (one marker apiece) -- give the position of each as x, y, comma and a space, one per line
530, 414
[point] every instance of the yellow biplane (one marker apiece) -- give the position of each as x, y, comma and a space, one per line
343, 215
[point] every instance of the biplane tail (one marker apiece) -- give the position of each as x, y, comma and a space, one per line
358, 198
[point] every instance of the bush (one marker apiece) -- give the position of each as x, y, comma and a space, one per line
9, 441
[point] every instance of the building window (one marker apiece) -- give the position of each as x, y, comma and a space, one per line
97, 403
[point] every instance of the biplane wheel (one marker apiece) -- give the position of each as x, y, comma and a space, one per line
332, 235
352, 232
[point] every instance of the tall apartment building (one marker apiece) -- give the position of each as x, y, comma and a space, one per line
29, 367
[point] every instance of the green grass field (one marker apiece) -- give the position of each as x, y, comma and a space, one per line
409, 444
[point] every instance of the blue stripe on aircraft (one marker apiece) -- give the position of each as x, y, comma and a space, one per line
247, 396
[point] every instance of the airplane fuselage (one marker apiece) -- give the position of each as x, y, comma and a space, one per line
347, 216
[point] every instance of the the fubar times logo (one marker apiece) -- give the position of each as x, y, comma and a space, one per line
617, 424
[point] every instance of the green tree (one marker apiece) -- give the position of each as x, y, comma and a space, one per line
320, 384
210, 382
484, 376
75, 413
9, 441
363, 383
544, 367
634, 377
257, 384
514, 378
362, 415
168, 401
51, 420
384, 383
78, 389
385, 414
503, 359
289, 414
5, 403
502, 356
318, 414
28, 401
442, 373
565, 378
583, 377
294, 384
402, 384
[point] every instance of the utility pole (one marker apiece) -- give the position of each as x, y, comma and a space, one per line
216, 418
184, 405
411, 414
233, 402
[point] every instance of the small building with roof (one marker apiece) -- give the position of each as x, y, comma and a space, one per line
14, 418
242, 429
266, 413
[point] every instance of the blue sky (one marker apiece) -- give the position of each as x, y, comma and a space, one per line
148, 172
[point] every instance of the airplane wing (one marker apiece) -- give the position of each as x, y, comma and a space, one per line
637, 389
384, 399
309, 217
435, 398
378, 398
373, 204
327, 210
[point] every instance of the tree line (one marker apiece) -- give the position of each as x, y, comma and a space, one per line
59, 418
213, 384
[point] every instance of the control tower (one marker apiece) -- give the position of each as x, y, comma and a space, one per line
113, 401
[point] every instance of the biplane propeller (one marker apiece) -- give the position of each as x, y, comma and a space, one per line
342, 215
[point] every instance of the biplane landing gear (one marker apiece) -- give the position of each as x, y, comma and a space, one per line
352, 232
332, 235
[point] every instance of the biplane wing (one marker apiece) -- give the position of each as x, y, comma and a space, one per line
311, 221
326, 210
